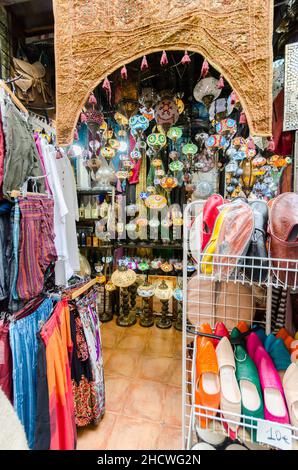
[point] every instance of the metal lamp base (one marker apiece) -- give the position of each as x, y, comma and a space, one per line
178, 324
126, 320
146, 322
105, 317
164, 323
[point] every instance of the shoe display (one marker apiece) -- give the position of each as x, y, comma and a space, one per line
220, 330
230, 397
211, 247
283, 231
210, 213
207, 392
257, 269
274, 401
278, 352
216, 439
233, 238
290, 385
250, 387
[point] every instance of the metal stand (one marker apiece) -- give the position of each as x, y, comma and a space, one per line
133, 296
146, 318
125, 318
164, 321
178, 322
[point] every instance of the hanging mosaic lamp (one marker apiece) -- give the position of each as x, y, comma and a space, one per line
189, 149
174, 133
138, 124
156, 201
169, 182
107, 152
156, 140
176, 165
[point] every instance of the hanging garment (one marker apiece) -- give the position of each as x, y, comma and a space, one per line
21, 156
37, 249
23, 343
15, 304
5, 360
68, 184
4, 241
2, 154
55, 420
86, 401
42, 162
87, 311
63, 268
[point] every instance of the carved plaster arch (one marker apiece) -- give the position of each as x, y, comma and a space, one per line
93, 39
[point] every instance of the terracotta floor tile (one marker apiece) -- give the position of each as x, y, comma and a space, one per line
96, 437
132, 434
123, 363
137, 330
176, 373
160, 333
116, 392
132, 343
159, 347
145, 400
156, 369
110, 338
178, 348
170, 438
106, 355
173, 406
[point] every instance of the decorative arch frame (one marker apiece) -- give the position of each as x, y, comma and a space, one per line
95, 38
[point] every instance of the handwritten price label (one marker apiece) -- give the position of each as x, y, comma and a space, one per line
274, 435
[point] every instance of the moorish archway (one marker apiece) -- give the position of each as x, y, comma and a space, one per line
95, 38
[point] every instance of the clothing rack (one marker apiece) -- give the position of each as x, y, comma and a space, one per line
16, 101
84, 288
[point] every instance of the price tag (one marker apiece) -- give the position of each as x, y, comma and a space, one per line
274, 435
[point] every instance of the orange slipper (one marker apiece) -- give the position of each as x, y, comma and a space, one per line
207, 391
284, 335
204, 328
242, 327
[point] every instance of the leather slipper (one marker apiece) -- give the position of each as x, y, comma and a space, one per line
210, 213
257, 269
230, 398
207, 391
250, 387
290, 385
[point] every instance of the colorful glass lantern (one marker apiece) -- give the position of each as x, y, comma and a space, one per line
156, 201
169, 182
216, 141
176, 166
138, 124
174, 133
166, 112
156, 140
189, 149
107, 152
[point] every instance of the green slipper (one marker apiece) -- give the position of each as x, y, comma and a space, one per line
250, 388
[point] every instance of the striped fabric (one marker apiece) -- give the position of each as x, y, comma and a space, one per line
37, 248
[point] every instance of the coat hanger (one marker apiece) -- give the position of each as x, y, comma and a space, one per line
13, 97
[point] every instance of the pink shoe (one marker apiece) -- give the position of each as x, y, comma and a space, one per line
253, 342
210, 213
220, 330
275, 408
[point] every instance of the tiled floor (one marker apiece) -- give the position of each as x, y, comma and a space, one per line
143, 390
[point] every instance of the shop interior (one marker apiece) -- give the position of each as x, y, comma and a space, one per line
157, 134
